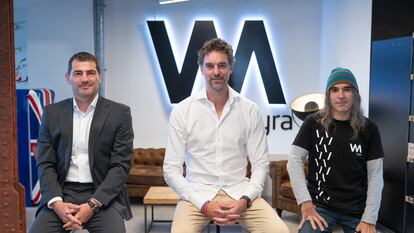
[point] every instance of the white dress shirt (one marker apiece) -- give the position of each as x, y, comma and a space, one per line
215, 150
79, 170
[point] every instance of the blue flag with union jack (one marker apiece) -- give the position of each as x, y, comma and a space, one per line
30, 104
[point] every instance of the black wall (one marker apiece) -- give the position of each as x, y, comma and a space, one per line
390, 100
392, 18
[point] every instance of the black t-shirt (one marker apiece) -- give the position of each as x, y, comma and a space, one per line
337, 175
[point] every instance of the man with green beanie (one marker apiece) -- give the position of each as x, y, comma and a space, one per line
345, 158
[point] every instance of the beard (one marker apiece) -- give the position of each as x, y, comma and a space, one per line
218, 83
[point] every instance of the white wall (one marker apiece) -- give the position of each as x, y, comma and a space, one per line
308, 38
56, 29
346, 41
134, 75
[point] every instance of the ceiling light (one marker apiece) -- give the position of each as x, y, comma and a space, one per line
164, 2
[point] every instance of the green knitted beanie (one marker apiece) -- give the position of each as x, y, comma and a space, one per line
341, 75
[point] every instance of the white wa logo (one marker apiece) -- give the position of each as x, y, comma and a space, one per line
356, 148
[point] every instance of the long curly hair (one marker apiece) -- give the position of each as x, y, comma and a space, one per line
357, 119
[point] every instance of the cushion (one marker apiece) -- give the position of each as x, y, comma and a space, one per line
286, 190
148, 156
146, 174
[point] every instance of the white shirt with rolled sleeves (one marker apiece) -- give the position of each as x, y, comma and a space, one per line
215, 150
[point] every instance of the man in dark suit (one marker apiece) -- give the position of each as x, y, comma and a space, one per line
85, 148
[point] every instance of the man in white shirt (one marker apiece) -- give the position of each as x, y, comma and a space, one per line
84, 148
215, 132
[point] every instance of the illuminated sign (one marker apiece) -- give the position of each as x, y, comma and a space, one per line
252, 39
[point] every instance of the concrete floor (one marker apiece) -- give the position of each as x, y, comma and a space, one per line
136, 224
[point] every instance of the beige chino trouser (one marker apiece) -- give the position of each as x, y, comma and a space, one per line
259, 217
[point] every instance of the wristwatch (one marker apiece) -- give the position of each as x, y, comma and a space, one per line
249, 202
94, 207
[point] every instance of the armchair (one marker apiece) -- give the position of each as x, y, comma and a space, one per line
146, 171
282, 193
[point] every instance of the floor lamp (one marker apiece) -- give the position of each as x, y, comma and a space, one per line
305, 105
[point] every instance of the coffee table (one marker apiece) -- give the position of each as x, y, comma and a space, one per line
158, 196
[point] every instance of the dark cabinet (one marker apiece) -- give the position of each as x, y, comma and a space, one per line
391, 102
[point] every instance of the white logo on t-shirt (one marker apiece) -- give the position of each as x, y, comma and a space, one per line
356, 148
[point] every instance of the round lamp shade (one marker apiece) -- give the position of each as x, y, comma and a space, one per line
307, 104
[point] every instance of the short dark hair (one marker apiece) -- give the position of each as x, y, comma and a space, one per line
216, 44
83, 56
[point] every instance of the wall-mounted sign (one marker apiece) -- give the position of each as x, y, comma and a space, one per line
253, 39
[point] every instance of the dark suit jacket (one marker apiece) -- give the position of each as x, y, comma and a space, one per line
110, 151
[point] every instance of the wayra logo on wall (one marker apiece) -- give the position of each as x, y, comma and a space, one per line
253, 39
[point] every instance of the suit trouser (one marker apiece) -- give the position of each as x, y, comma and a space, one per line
259, 217
107, 220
